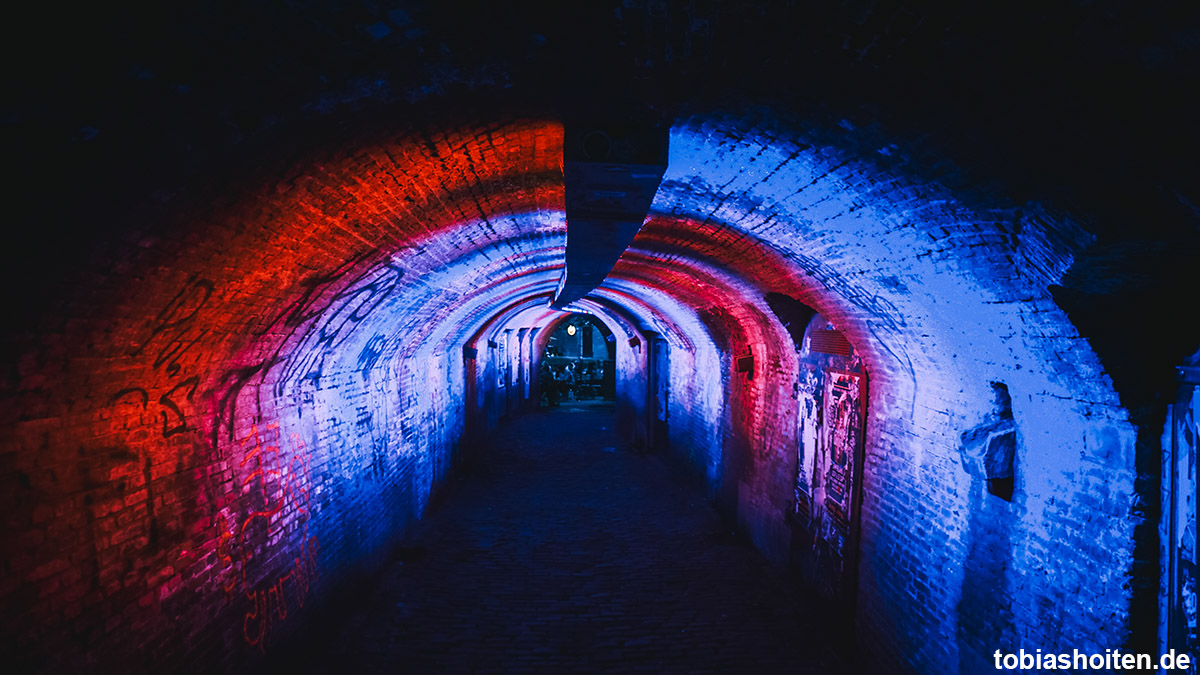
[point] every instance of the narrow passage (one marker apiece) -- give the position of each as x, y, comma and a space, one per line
561, 551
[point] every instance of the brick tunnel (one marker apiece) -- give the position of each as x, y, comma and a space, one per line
908, 312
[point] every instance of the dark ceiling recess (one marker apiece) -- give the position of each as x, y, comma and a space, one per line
793, 314
612, 168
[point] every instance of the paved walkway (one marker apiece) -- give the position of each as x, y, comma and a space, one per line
561, 552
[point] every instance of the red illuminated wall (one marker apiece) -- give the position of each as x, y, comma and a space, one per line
247, 414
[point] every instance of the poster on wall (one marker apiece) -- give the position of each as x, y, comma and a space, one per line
837, 449
807, 426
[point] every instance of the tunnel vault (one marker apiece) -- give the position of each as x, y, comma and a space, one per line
254, 412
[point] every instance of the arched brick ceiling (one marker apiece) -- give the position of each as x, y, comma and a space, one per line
153, 105
220, 219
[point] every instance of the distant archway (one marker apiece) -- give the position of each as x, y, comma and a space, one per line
578, 362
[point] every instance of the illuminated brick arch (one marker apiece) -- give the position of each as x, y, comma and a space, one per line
309, 341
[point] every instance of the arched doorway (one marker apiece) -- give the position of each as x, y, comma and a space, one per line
578, 364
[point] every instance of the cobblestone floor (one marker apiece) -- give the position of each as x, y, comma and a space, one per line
562, 552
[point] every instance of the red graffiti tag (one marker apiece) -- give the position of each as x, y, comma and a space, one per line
275, 495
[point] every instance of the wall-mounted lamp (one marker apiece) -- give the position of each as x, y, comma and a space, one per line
571, 329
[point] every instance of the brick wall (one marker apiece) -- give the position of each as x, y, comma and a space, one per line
216, 428
941, 294
224, 419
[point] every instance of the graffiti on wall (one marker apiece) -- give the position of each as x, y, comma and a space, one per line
174, 324
335, 325
834, 462
275, 500
254, 525
132, 514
